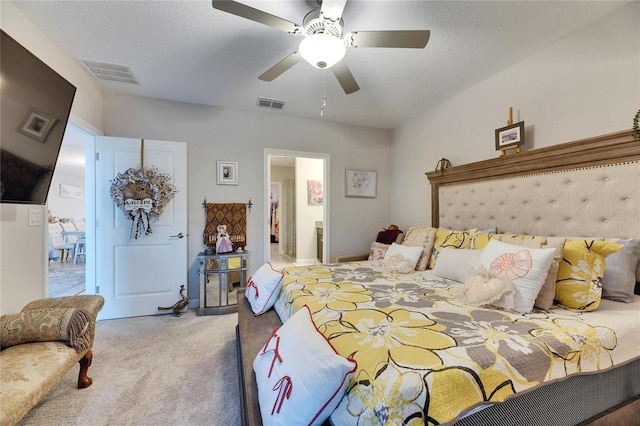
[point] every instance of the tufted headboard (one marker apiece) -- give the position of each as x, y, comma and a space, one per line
587, 188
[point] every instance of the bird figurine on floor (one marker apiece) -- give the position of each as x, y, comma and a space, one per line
179, 305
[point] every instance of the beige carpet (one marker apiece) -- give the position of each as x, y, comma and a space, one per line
157, 370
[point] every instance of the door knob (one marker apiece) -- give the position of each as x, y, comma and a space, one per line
180, 235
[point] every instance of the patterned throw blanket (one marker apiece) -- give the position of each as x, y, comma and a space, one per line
233, 215
68, 325
426, 358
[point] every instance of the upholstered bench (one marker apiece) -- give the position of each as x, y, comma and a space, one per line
29, 370
251, 334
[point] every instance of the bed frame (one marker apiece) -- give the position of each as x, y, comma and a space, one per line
588, 187
454, 190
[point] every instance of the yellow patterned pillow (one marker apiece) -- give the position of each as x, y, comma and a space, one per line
479, 240
506, 237
452, 239
579, 279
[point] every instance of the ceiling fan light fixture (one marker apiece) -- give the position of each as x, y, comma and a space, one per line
322, 50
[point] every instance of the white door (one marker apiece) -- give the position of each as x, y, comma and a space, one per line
135, 276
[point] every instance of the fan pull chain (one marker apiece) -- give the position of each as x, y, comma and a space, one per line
324, 95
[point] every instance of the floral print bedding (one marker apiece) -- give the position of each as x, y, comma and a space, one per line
426, 358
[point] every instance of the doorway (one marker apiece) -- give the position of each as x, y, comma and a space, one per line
296, 199
67, 203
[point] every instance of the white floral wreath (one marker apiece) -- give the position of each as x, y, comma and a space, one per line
142, 193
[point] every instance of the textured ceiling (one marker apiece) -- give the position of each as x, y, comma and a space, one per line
187, 51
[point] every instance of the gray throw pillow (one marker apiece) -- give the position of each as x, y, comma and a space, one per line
619, 278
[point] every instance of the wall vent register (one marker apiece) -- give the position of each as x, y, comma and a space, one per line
109, 72
270, 103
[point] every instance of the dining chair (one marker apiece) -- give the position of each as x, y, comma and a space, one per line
80, 250
75, 232
80, 223
58, 242
69, 227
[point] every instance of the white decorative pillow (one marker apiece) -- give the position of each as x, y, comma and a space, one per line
263, 288
456, 264
301, 379
411, 254
486, 288
526, 267
547, 292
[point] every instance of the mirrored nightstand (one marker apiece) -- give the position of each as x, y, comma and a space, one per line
218, 274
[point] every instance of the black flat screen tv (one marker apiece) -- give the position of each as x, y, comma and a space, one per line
35, 103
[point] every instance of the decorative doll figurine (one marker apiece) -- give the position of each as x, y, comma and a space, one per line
223, 243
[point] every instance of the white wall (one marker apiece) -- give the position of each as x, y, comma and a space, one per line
63, 207
306, 215
215, 134
22, 247
587, 84
280, 173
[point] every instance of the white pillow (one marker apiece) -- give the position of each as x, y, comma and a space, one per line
263, 288
411, 254
457, 264
526, 267
301, 379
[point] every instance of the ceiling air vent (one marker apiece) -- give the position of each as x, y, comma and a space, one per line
270, 103
109, 72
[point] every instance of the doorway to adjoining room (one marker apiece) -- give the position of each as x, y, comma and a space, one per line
296, 186
277, 256
66, 236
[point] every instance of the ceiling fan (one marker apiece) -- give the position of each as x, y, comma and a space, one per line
324, 45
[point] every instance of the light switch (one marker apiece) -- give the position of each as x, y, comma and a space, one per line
35, 217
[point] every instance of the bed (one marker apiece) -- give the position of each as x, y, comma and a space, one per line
425, 356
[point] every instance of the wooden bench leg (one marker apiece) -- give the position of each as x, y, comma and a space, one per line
85, 381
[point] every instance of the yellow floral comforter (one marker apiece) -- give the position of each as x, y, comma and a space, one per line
426, 358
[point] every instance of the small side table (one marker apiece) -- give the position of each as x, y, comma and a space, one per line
215, 277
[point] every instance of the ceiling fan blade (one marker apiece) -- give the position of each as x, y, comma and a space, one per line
332, 9
416, 39
256, 15
345, 78
280, 67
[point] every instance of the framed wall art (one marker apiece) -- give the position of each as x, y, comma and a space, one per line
510, 136
315, 193
227, 173
70, 191
360, 183
37, 125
